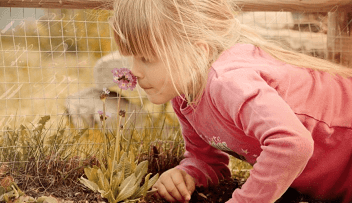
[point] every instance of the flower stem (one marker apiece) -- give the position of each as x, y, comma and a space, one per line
118, 127
117, 142
104, 128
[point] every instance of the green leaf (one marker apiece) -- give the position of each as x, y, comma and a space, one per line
127, 188
102, 166
142, 190
45, 199
133, 162
152, 191
128, 169
43, 120
141, 169
103, 182
91, 174
91, 185
146, 186
116, 181
121, 168
25, 198
8, 195
123, 157
121, 164
108, 195
2, 190
106, 171
125, 166
129, 181
152, 181
88, 172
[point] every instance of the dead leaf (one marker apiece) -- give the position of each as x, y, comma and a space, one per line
202, 195
7, 181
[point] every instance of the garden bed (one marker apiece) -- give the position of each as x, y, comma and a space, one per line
59, 180
43, 171
223, 192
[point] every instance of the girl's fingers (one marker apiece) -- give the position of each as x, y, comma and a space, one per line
164, 193
180, 184
171, 187
190, 184
157, 192
175, 185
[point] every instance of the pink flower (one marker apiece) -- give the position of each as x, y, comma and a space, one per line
104, 94
101, 114
124, 78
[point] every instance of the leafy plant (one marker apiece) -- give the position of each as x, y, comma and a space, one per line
9, 189
123, 182
121, 178
239, 169
24, 143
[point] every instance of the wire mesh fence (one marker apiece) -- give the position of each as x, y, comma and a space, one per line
56, 62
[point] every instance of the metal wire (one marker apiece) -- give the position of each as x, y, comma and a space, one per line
51, 56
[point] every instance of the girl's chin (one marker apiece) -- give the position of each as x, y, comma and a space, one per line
157, 99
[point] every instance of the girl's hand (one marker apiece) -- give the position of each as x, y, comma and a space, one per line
175, 185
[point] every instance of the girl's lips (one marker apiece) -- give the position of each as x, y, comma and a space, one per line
145, 88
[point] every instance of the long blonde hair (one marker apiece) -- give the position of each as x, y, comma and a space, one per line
171, 31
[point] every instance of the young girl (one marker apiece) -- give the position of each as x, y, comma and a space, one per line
287, 114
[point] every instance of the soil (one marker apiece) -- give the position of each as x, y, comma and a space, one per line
56, 178
222, 193
60, 179
75, 192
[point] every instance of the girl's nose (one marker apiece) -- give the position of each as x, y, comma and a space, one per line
136, 70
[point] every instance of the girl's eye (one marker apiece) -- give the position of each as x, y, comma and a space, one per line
144, 60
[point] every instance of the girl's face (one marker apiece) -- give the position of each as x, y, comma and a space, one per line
154, 79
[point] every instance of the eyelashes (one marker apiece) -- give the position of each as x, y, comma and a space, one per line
144, 60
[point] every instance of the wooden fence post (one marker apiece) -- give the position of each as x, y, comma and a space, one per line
340, 37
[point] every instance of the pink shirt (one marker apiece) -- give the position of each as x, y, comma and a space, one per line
294, 125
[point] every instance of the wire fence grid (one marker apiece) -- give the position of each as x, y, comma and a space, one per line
55, 62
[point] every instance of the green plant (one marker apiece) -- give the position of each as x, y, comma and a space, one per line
40, 158
120, 179
24, 143
123, 183
239, 169
10, 192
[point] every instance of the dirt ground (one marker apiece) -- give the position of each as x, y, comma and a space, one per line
222, 193
60, 179
75, 192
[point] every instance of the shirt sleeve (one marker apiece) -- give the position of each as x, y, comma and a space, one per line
257, 109
203, 162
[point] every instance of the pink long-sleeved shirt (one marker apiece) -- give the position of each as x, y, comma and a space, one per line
294, 125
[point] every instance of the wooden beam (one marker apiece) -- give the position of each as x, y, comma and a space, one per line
245, 5
58, 4
293, 5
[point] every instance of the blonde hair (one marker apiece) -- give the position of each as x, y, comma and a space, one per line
172, 30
